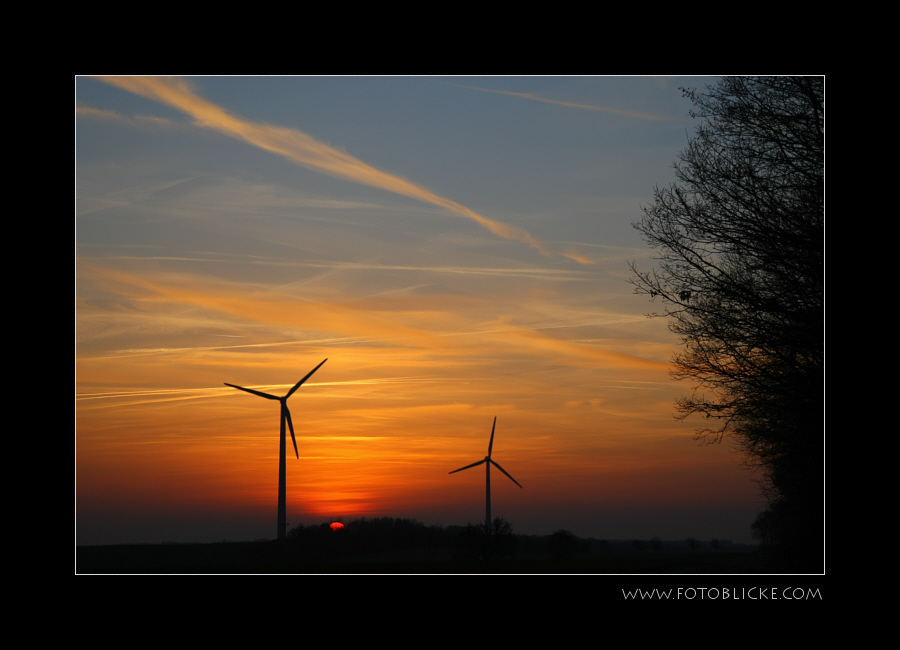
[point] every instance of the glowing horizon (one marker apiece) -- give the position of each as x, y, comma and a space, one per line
202, 260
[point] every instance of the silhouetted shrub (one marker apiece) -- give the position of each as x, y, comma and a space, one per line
563, 544
474, 542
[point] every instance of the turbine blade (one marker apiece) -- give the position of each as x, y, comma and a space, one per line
287, 413
491, 446
467, 466
255, 392
300, 383
497, 465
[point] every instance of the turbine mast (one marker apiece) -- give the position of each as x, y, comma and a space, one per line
282, 479
487, 507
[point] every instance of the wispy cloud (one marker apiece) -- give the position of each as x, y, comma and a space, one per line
112, 116
588, 107
581, 258
303, 149
560, 275
134, 397
428, 330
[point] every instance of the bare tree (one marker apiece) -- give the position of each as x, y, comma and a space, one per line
740, 273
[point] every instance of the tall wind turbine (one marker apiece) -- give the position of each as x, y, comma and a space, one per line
285, 416
488, 461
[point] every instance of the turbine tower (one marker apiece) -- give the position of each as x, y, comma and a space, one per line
488, 461
285, 416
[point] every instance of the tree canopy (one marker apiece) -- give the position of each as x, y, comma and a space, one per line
739, 239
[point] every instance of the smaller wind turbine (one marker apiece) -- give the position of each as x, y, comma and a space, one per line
285, 417
488, 461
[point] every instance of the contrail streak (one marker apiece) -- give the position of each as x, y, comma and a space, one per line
589, 107
303, 149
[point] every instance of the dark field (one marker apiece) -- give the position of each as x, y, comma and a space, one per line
275, 558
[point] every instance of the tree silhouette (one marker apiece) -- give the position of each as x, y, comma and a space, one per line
478, 541
563, 544
740, 272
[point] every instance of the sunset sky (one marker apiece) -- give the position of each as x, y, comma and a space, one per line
456, 247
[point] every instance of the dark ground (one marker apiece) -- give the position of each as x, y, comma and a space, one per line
281, 558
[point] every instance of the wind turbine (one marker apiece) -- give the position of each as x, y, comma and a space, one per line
488, 461
285, 416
